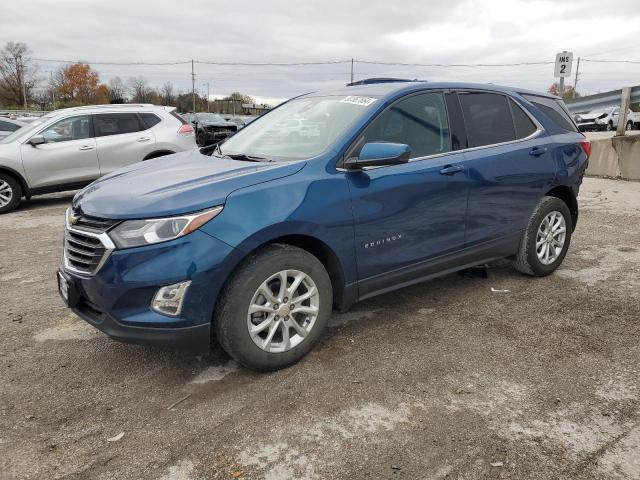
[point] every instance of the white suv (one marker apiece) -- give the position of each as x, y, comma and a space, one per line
68, 149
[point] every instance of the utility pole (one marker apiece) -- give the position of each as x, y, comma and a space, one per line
193, 86
575, 83
351, 71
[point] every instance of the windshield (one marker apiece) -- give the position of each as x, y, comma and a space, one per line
29, 127
299, 129
209, 117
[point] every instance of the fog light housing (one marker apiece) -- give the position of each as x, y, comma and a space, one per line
168, 300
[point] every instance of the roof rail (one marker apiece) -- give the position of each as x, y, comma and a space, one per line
113, 105
371, 81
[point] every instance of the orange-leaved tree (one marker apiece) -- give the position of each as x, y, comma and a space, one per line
79, 84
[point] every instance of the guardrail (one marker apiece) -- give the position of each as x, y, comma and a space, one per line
601, 100
614, 98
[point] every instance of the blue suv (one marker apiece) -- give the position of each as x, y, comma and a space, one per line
329, 199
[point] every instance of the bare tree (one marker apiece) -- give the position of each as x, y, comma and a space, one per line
138, 88
117, 90
17, 73
167, 93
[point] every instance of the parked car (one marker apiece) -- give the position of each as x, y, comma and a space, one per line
211, 128
241, 122
256, 244
605, 119
67, 149
8, 126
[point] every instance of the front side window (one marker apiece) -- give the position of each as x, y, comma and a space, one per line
117, 124
487, 118
299, 129
419, 121
67, 129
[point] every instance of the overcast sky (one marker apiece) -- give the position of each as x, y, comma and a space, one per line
413, 31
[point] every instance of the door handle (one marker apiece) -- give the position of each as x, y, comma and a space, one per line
451, 169
143, 139
86, 147
537, 151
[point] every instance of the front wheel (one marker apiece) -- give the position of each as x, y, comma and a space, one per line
629, 126
609, 127
274, 308
546, 239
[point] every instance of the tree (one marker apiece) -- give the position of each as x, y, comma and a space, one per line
138, 88
17, 74
116, 90
569, 92
78, 84
239, 97
167, 93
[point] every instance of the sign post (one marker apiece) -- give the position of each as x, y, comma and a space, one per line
564, 60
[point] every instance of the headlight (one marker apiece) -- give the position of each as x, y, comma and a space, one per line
578, 118
135, 233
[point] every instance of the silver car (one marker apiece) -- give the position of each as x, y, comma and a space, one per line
8, 126
68, 149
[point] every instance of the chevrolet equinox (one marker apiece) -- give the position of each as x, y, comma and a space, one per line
257, 239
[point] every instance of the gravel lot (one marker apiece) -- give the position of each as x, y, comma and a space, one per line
448, 379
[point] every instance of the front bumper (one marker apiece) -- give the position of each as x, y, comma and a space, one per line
591, 127
117, 299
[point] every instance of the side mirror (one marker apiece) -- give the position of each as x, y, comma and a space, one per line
36, 140
378, 154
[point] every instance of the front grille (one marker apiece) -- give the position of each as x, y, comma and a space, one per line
84, 253
84, 244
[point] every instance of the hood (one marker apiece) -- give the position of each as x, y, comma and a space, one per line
589, 116
218, 124
173, 185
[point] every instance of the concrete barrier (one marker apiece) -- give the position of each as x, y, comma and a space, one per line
616, 157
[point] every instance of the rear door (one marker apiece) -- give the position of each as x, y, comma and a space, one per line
122, 139
508, 164
68, 155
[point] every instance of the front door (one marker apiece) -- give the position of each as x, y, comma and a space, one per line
67, 157
408, 215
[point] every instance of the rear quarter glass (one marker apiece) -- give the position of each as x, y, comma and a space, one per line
554, 110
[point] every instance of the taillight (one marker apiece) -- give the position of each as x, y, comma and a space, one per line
186, 130
586, 146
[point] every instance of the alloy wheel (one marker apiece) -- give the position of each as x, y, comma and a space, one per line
550, 238
6, 193
283, 311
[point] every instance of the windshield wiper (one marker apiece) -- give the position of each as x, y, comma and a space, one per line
247, 158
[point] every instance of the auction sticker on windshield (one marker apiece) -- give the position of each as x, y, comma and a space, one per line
364, 101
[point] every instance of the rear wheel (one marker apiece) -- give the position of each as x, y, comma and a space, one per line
546, 239
629, 126
274, 308
10, 193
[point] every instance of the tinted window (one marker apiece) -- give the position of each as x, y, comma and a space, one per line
72, 128
150, 119
524, 125
419, 121
8, 127
116, 124
488, 118
555, 110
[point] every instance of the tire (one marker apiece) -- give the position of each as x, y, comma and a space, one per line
232, 319
629, 126
10, 193
200, 139
528, 260
609, 127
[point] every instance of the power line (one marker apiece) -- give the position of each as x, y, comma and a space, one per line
610, 61
51, 60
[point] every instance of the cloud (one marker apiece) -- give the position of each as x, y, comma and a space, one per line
437, 31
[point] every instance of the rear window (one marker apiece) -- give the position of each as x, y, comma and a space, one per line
555, 110
487, 117
178, 117
106, 124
